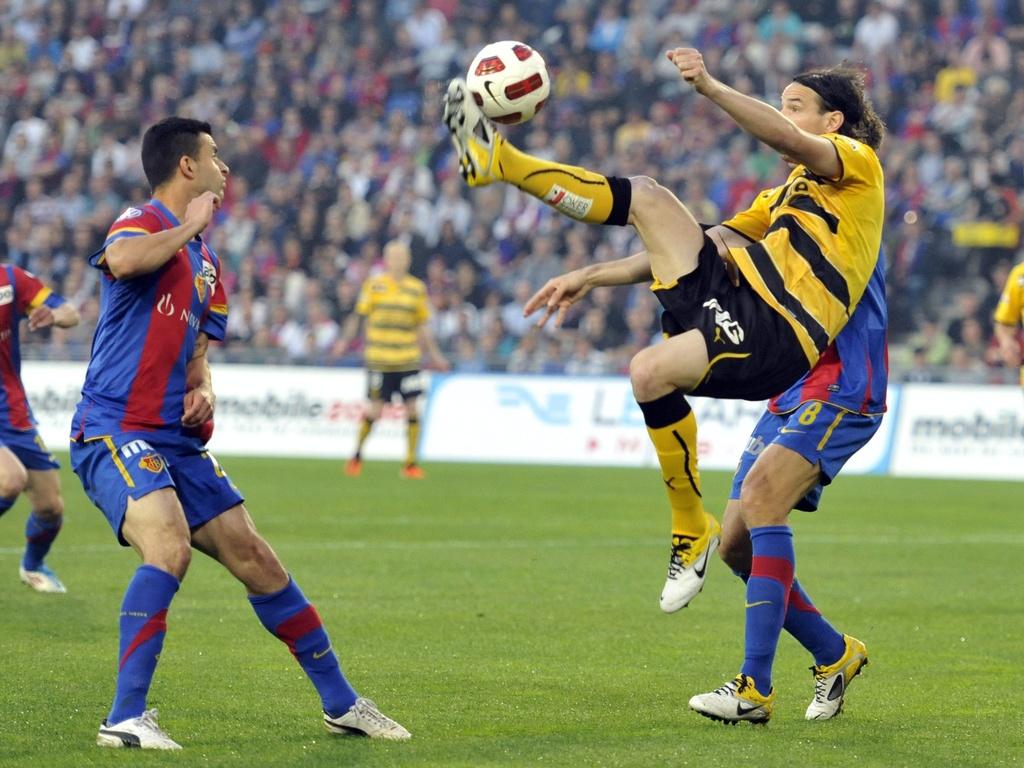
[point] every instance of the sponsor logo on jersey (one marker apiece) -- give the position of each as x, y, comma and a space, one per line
6, 294
130, 213
724, 321
165, 306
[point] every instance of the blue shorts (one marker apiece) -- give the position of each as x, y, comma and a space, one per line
822, 433
127, 465
29, 447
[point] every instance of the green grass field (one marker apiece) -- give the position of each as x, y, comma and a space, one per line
509, 616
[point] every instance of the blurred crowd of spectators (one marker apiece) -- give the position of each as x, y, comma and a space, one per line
328, 113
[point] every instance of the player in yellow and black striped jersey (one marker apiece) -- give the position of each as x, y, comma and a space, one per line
749, 308
395, 309
1009, 317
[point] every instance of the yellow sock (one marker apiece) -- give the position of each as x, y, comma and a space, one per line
364, 432
412, 438
576, 192
673, 430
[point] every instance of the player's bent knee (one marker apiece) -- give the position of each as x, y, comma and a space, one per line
643, 375
172, 556
12, 482
648, 199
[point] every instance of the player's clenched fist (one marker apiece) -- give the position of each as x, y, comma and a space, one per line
200, 210
690, 64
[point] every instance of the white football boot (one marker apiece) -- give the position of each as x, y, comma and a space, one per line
42, 580
831, 682
140, 732
736, 701
364, 719
473, 135
688, 565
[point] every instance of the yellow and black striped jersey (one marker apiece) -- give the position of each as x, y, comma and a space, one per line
817, 243
1010, 309
394, 311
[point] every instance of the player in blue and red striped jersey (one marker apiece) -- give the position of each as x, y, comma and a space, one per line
137, 448
798, 446
25, 463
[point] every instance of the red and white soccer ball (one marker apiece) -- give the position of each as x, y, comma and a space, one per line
509, 81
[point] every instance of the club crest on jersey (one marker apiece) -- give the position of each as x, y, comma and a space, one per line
151, 463
130, 213
6, 294
208, 277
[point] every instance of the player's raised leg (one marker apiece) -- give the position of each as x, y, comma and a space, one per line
670, 233
41, 529
232, 539
155, 526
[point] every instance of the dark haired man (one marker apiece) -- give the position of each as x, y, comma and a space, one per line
138, 447
749, 308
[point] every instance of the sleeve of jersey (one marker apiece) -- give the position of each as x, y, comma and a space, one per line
365, 303
215, 325
859, 161
753, 223
29, 292
1008, 310
131, 223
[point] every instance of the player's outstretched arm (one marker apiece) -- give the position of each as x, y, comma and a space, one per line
199, 397
560, 293
760, 120
134, 256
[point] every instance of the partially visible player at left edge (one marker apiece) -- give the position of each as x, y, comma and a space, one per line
25, 463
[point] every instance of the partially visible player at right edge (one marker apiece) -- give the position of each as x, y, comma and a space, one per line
1009, 317
748, 311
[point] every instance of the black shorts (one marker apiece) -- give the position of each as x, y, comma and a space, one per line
384, 385
753, 351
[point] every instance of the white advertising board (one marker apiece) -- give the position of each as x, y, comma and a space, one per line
591, 421
932, 430
960, 431
261, 410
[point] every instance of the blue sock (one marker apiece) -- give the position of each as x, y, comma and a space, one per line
39, 535
809, 627
771, 576
806, 624
291, 618
143, 625
6, 504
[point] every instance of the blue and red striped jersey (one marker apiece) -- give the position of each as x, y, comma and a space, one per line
146, 333
20, 293
853, 372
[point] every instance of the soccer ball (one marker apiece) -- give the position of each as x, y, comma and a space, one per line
509, 81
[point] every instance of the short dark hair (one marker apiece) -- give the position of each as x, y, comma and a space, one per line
165, 142
842, 89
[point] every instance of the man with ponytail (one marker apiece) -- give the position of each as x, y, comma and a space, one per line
751, 306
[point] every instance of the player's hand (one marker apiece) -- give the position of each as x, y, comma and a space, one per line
690, 64
40, 317
198, 406
1010, 352
200, 210
556, 296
